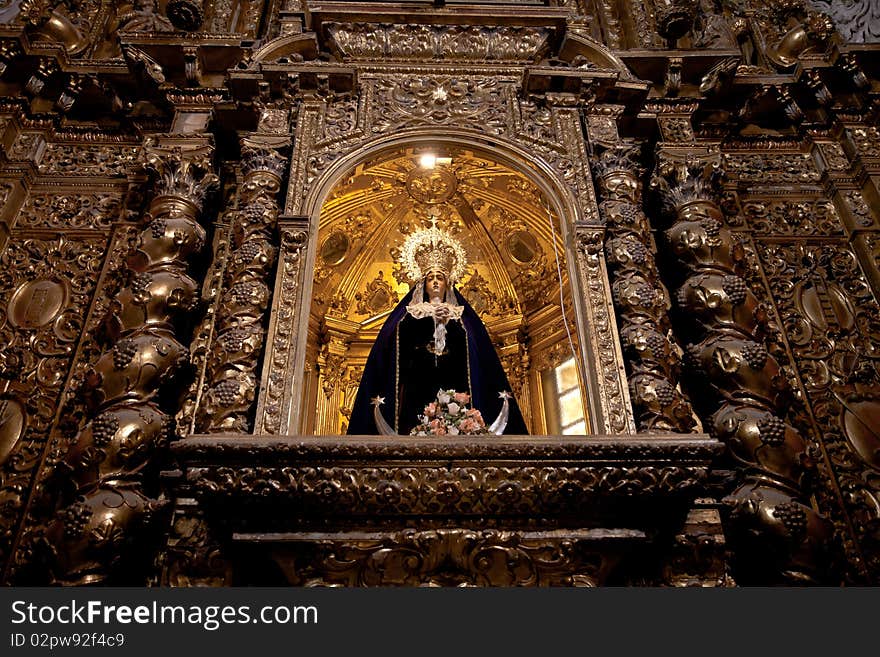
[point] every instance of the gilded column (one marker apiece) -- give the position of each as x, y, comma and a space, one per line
642, 301
234, 354
777, 536
102, 531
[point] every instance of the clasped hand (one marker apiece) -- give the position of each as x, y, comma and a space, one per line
441, 313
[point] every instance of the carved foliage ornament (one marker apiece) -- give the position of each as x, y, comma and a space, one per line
832, 323
449, 557
45, 288
477, 102
42, 210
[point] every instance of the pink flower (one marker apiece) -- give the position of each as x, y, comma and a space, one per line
468, 425
462, 397
431, 409
437, 427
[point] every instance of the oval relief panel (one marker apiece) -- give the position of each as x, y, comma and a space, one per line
37, 303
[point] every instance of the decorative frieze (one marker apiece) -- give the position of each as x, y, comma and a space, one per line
110, 160
772, 168
70, 211
448, 43
478, 102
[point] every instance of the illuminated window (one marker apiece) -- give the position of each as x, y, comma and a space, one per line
565, 412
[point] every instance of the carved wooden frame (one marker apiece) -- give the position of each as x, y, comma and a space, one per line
607, 396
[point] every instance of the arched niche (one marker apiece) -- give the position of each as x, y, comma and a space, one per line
516, 219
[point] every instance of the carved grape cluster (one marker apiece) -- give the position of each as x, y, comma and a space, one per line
633, 249
681, 297
646, 294
771, 430
75, 518
692, 358
244, 293
248, 251
735, 288
755, 355
234, 339
656, 343
123, 353
226, 392
260, 211
793, 517
104, 427
666, 394
158, 227
627, 215
140, 285
711, 225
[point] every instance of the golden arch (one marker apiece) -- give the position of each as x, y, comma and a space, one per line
330, 350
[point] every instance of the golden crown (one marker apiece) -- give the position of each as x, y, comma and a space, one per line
431, 249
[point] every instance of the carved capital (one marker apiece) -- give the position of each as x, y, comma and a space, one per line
183, 171
263, 162
186, 15
618, 172
687, 176
675, 18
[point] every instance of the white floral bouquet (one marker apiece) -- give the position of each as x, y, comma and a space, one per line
449, 415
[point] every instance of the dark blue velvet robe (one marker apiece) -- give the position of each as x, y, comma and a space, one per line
487, 377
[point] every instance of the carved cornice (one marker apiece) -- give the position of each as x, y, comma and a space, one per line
692, 450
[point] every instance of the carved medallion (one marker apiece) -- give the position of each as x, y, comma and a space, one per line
431, 185
36, 303
522, 247
334, 249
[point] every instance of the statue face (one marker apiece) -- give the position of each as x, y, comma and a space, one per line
435, 285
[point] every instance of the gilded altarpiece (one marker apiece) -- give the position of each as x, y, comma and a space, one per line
707, 173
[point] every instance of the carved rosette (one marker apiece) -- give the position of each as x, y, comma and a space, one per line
101, 531
774, 531
652, 355
233, 357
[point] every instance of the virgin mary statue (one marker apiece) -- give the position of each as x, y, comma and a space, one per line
431, 341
